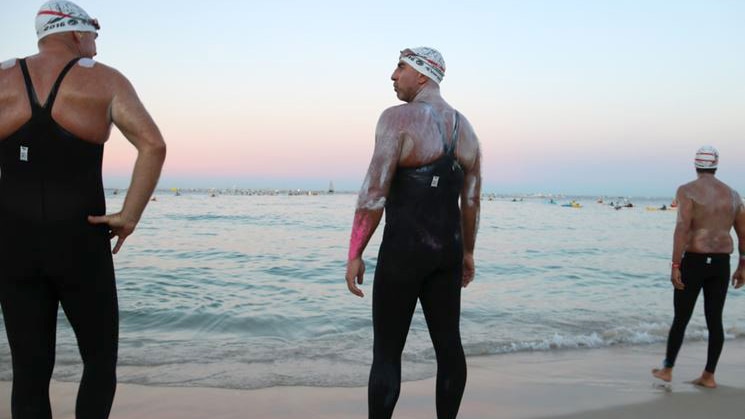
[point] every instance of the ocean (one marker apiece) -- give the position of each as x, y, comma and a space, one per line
248, 291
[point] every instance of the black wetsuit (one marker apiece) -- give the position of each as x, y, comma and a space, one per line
710, 272
50, 181
421, 257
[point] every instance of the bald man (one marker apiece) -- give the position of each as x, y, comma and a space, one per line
56, 112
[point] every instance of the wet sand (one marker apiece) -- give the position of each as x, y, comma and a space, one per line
595, 383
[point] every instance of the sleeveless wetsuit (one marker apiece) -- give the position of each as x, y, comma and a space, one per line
421, 257
709, 272
50, 181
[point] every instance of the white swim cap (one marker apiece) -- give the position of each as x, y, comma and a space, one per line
707, 157
427, 61
63, 16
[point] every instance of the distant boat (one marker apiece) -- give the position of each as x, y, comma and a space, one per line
662, 208
331, 187
625, 204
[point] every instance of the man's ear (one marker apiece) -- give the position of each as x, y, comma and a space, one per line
422, 80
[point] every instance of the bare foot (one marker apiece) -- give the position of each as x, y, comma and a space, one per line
664, 374
706, 380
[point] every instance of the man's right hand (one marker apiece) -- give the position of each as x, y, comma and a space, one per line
738, 279
355, 274
119, 227
469, 269
675, 279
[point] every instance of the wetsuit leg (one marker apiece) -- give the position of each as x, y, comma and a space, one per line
715, 292
684, 302
29, 307
88, 296
395, 293
440, 298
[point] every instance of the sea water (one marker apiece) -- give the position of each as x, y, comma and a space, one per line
248, 291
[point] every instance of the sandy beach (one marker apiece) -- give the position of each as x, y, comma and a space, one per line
596, 383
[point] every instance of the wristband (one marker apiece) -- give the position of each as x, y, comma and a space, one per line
675, 265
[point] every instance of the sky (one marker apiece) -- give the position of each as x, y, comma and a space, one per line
593, 97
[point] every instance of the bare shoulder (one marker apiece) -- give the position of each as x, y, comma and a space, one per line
684, 195
10, 84
390, 113
395, 120
107, 76
467, 132
469, 149
399, 113
737, 200
7, 69
7, 65
685, 189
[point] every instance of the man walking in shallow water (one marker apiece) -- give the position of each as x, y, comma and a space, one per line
707, 211
426, 160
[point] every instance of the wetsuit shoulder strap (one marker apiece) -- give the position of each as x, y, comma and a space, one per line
454, 136
29, 86
53, 93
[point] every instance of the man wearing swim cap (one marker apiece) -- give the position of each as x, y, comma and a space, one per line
425, 174
707, 211
56, 112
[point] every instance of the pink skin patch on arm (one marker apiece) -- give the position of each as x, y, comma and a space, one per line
360, 230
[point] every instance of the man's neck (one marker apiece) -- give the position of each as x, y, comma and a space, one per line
428, 93
58, 47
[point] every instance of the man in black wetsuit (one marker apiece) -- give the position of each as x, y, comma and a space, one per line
426, 174
707, 211
56, 112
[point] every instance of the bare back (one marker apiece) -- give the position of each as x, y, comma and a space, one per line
84, 102
709, 208
422, 128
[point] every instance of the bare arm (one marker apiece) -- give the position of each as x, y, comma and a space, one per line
372, 196
132, 119
470, 203
681, 235
738, 278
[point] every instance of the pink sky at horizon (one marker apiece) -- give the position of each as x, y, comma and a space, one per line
566, 95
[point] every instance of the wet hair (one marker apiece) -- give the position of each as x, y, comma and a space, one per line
712, 171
